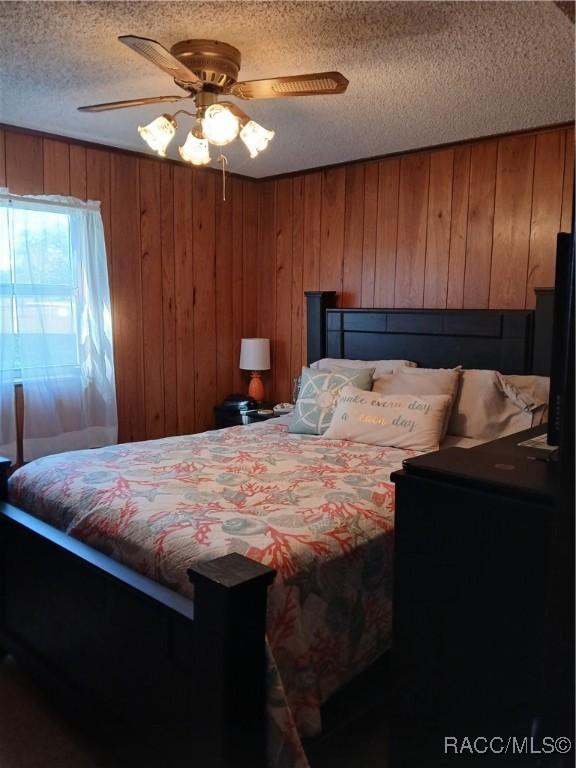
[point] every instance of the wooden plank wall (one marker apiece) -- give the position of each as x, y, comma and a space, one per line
180, 265
467, 226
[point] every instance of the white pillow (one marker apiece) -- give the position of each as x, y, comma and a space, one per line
489, 406
398, 421
535, 389
380, 366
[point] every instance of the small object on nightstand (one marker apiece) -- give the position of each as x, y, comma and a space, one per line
283, 408
237, 410
236, 402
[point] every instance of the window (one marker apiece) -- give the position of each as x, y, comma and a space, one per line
55, 325
38, 296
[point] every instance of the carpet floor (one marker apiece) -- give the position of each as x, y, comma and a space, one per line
37, 732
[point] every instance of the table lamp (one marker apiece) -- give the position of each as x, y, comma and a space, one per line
255, 357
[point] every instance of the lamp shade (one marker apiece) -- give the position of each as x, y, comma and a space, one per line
159, 133
255, 355
219, 125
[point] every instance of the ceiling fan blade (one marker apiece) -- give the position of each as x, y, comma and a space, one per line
129, 103
162, 58
314, 84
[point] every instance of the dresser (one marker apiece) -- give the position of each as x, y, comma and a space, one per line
473, 536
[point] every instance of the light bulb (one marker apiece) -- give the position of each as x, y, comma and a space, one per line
255, 137
195, 150
219, 125
159, 133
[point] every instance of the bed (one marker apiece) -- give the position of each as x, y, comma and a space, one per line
140, 580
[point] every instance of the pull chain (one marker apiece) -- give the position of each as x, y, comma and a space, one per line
223, 162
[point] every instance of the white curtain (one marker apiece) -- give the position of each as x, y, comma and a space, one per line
55, 326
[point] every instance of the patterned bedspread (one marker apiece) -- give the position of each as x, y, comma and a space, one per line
318, 511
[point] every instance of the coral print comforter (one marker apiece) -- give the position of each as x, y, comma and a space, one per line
318, 511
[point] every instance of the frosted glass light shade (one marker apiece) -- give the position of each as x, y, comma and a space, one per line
255, 355
219, 125
159, 133
255, 137
195, 150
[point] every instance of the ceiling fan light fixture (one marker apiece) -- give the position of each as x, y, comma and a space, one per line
255, 137
159, 133
219, 125
208, 70
195, 150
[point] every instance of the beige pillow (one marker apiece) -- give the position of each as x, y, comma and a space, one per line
380, 366
398, 421
537, 390
421, 381
489, 406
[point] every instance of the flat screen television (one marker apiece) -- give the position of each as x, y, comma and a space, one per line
561, 404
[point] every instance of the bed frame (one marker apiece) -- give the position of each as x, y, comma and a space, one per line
193, 674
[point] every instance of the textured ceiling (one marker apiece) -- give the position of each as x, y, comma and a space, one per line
421, 73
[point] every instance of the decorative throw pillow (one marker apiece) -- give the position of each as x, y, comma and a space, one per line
380, 366
489, 406
398, 421
318, 395
421, 381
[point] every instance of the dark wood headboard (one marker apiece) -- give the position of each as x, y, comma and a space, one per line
512, 341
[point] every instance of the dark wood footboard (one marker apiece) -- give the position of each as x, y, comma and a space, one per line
191, 675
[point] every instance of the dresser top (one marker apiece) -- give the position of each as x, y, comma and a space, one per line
500, 466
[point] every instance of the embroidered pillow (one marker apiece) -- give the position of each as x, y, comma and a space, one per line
398, 421
318, 395
421, 381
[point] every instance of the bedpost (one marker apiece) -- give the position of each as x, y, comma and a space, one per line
543, 331
230, 653
317, 302
4, 467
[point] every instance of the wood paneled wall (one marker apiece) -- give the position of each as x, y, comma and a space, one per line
470, 226
181, 264
467, 226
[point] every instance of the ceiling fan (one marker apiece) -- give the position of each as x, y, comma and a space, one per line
208, 69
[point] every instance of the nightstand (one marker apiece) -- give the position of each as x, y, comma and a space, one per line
224, 417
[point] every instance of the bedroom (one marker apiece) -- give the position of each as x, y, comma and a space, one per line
438, 180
